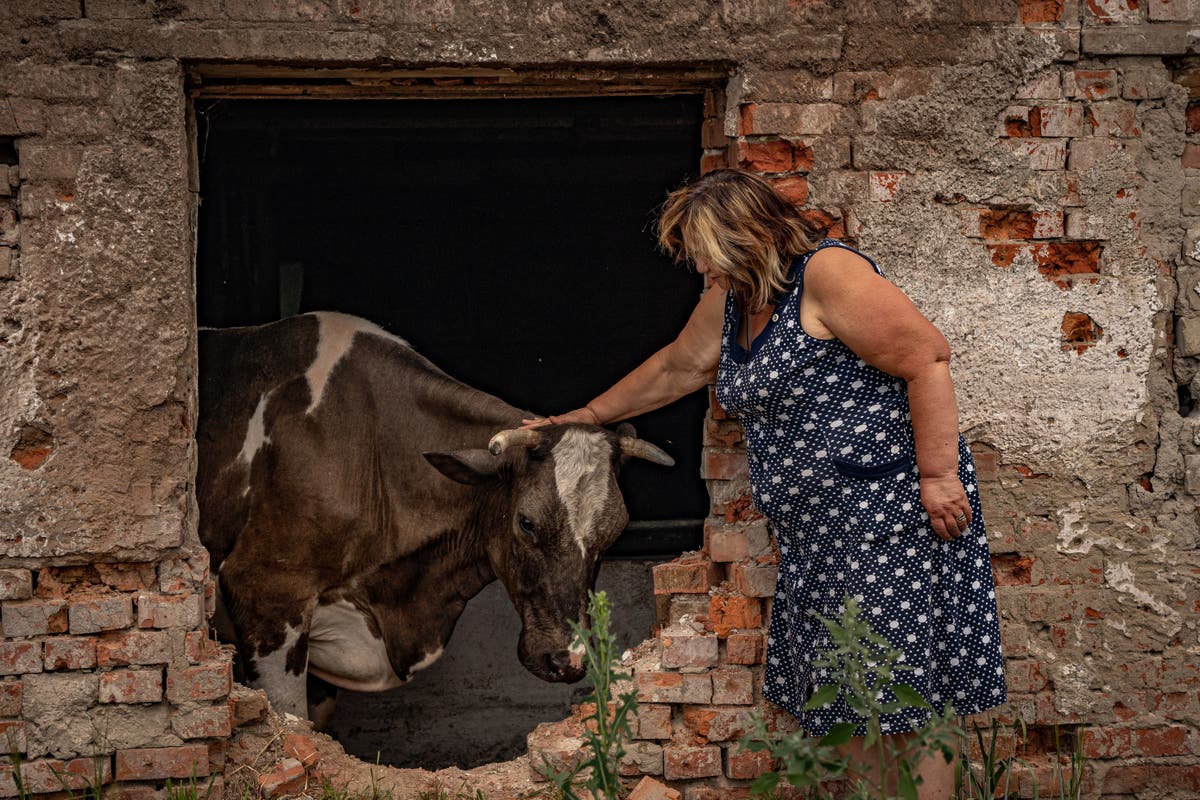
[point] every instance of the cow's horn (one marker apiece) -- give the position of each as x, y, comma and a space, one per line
640, 448
526, 437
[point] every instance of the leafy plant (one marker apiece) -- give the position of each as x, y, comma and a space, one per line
607, 727
867, 666
995, 772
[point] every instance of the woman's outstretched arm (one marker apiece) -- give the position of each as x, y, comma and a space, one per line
683, 366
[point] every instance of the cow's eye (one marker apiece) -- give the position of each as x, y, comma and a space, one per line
527, 525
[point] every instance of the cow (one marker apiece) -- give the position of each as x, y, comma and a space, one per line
353, 497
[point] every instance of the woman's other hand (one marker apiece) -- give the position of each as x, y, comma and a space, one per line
945, 501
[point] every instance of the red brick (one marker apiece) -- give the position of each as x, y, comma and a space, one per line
169, 611
16, 584
747, 766
726, 612
794, 189
1058, 121
686, 649
710, 162
1191, 156
723, 433
686, 763
210, 722
884, 185
1113, 11
18, 658
1095, 84
725, 544
247, 705
732, 686
716, 723
654, 686
744, 648
1166, 741
1043, 154
1001, 225
766, 156
754, 580
1114, 118
52, 775
802, 157
69, 652
204, 682
200, 647
101, 613
1035, 11
1193, 118
301, 748
1025, 676
698, 791
739, 508
1010, 569
12, 736
131, 686
712, 134
1079, 332
650, 789
1152, 780
133, 647
34, 617
287, 778
152, 763
1106, 741
684, 576
653, 722
128, 577
10, 698
1172, 705
721, 465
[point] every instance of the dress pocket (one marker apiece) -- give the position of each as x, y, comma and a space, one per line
869, 442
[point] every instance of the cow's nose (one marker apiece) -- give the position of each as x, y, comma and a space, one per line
559, 667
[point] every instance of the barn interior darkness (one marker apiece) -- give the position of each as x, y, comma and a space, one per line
511, 241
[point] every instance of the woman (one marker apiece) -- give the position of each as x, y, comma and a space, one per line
845, 394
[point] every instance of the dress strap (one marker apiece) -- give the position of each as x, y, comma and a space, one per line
827, 242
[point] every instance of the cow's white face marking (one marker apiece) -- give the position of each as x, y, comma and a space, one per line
581, 464
287, 690
256, 434
335, 334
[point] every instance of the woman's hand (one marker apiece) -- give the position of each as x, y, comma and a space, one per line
945, 501
584, 416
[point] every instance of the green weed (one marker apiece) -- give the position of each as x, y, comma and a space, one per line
606, 729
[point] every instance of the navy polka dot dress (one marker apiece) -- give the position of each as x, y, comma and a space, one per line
832, 467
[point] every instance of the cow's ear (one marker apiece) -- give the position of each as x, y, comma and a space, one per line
466, 466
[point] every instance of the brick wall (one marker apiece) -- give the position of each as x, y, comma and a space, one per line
1027, 170
1083, 652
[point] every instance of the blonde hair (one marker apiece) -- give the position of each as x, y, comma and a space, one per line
740, 223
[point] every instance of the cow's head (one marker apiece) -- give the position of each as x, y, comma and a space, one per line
555, 509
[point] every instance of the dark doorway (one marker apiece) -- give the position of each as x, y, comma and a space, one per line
509, 240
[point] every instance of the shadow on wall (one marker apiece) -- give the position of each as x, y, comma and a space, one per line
477, 704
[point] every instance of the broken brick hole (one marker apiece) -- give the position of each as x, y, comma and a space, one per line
1011, 569
34, 445
1079, 331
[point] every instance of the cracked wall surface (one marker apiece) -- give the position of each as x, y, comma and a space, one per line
1029, 172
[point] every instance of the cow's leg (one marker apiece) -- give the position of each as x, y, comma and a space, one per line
271, 621
322, 699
